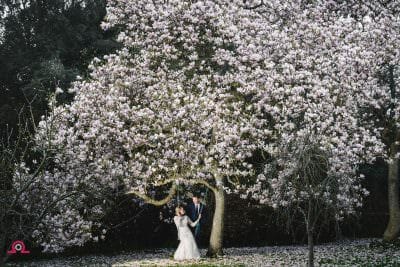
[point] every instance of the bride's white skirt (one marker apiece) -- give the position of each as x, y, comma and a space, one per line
187, 249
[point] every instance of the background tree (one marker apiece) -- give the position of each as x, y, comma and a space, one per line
381, 104
35, 206
46, 44
392, 139
323, 67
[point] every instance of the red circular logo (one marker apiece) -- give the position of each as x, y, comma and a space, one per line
18, 246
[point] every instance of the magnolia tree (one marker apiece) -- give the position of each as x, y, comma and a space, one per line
381, 105
324, 68
172, 107
388, 120
36, 205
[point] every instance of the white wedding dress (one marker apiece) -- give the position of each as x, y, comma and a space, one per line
187, 249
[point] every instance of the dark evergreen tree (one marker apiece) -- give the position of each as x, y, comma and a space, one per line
46, 44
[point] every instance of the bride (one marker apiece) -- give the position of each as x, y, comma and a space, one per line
187, 248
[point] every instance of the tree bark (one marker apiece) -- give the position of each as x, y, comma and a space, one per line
338, 231
3, 255
216, 238
149, 200
310, 224
310, 237
393, 227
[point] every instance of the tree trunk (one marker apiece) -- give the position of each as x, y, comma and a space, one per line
338, 231
3, 255
393, 227
310, 224
310, 235
216, 238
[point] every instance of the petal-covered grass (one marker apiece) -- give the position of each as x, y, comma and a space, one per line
362, 252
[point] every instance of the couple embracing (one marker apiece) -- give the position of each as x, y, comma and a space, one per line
188, 246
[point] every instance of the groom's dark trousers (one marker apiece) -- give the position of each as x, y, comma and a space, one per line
194, 214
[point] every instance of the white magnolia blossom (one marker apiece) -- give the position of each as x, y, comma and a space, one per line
323, 78
51, 203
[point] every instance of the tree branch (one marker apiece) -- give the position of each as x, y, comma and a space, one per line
172, 191
203, 182
255, 6
153, 201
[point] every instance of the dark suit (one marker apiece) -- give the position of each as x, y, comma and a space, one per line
193, 215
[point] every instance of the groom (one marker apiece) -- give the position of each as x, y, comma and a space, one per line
196, 208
